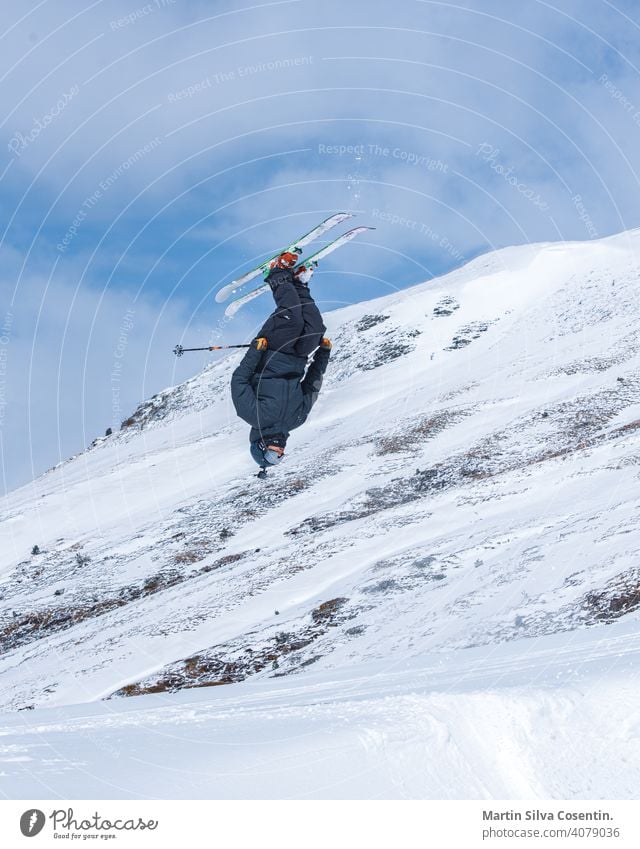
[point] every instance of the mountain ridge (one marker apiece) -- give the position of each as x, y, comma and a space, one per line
446, 492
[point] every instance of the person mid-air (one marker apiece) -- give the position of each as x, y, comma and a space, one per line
269, 388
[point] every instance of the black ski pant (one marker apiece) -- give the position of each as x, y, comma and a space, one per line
295, 326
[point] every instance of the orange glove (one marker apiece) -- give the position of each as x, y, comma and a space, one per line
326, 344
261, 343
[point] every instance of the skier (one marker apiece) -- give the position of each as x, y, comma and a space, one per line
270, 389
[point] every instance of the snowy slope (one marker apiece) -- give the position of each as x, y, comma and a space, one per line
465, 488
535, 719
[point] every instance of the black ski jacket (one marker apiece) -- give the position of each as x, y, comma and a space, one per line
269, 393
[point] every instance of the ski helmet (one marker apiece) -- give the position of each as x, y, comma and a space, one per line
303, 274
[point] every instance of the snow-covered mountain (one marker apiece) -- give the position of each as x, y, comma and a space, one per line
445, 564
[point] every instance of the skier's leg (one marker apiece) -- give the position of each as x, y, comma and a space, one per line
313, 328
285, 324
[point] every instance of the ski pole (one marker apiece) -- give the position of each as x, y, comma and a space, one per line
179, 350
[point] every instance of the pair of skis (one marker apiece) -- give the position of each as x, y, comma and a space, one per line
294, 247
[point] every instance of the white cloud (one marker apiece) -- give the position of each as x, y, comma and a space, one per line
77, 360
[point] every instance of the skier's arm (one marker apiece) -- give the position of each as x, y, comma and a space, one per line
242, 393
312, 382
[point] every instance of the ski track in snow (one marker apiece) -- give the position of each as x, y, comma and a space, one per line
464, 493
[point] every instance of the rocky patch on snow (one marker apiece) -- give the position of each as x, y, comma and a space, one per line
35, 624
195, 394
446, 306
369, 321
412, 437
353, 353
468, 333
276, 651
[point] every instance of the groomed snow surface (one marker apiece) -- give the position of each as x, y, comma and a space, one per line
435, 596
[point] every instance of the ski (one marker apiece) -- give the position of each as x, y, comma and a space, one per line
296, 247
341, 240
235, 305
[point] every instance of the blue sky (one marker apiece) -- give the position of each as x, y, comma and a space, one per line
151, 151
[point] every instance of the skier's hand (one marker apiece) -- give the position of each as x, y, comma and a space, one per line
326, 344
260, 343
